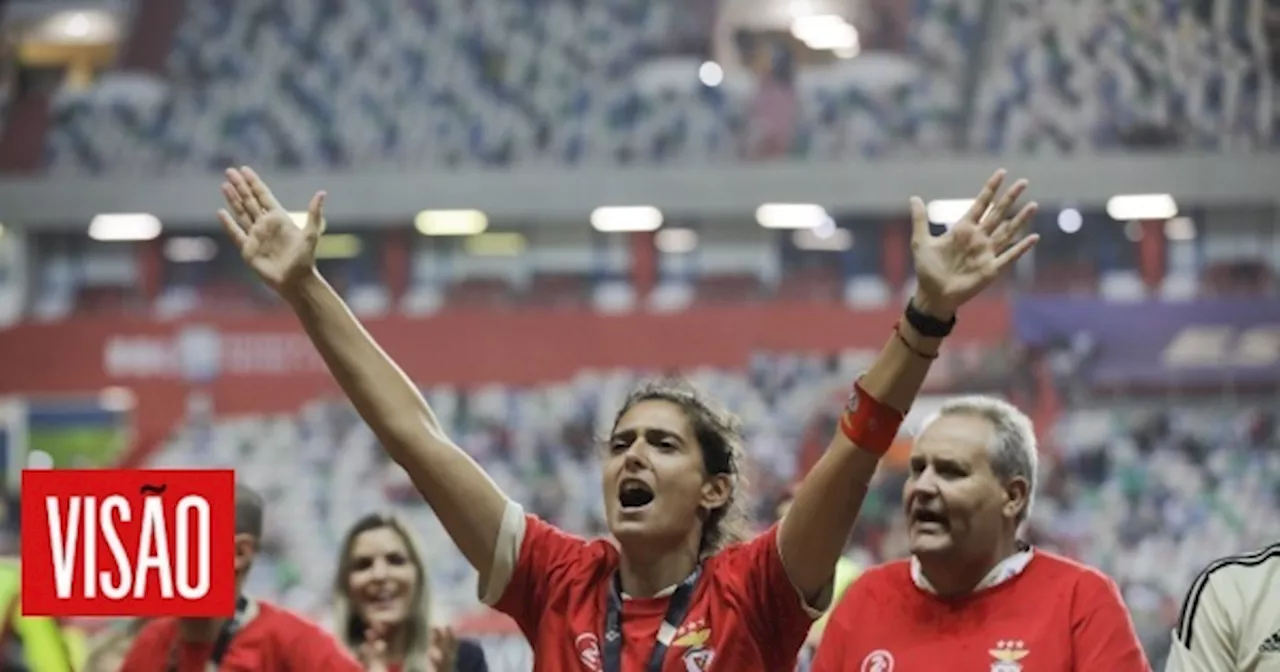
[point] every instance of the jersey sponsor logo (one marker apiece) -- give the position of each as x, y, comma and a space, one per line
588, 647
1272, 645
1008, 653
128, 542
879, 660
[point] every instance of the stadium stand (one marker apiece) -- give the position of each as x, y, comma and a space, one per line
1081, 75
514, 82
522, 82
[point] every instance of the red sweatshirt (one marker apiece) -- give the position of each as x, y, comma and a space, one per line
275, 640
1054, 616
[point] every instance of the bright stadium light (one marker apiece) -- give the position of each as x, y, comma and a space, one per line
339, 246
1070, 220
711, 74
791, 215
124, 227
823, 32
619, 218
451, 222
1127, 207
496, 244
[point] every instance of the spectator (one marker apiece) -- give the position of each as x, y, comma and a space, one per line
381, 583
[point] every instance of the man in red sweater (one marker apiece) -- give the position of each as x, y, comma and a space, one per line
260, 637
973, 596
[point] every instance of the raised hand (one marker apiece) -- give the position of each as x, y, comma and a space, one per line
273, 246
956, 266
442, 652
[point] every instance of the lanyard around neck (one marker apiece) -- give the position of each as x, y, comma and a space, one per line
677, 609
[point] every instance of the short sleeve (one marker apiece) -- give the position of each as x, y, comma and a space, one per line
778, 612
545, 556
1204, 640
1102, 632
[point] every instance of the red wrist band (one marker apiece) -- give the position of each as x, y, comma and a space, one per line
868, 423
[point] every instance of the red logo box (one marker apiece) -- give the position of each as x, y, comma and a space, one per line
128, 542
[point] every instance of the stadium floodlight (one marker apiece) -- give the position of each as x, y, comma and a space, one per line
791, 215
495, 244
339, 246
620, 218
676, 240
1070, 220
822, 32
124, 227
711, 74
451, 222
1129, 207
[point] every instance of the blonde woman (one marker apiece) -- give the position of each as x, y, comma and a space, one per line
382, 604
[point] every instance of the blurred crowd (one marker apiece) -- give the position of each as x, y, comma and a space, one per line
537, 82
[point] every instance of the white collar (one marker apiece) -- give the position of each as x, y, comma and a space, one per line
665, 592
1003, 571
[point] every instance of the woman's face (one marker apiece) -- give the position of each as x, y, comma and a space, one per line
382, 581
654, 478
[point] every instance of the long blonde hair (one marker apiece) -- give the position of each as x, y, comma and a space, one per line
350, 627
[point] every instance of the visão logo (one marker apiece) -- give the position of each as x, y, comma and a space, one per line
128, 542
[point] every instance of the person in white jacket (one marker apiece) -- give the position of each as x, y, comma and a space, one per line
1230, 618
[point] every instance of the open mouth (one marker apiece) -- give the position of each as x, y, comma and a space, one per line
634, 494
928, 518
382, 598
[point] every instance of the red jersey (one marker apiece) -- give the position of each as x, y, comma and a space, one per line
744, 613
1056, 615
275, 640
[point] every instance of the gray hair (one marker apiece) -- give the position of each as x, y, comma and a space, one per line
1013, 451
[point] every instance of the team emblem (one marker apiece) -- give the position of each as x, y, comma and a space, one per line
588, 646
1007, 655
878, 661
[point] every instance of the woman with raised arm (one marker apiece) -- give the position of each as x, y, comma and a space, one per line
673, 590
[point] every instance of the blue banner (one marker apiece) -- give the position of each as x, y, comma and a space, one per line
1204, 342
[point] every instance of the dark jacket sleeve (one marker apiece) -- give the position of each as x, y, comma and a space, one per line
470, 657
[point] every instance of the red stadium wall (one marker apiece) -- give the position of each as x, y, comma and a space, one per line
265, 364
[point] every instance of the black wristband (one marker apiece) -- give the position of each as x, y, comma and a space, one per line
928, 325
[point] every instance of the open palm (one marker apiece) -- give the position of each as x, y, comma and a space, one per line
276, 249
955, 266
